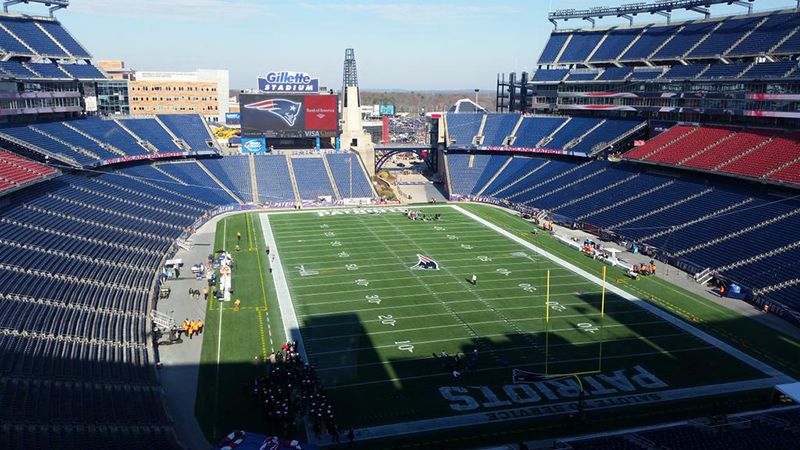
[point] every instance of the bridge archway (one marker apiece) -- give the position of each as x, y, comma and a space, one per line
426, 154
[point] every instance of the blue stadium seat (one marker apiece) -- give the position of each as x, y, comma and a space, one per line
615, 74
680, 72
48, 70
768, 35
683, 41
16, 69
273, 178
468, 180
616, 41
64, 38
234, 173
27, 31
723, 37
549, 75
348, 173
152, 131
498, 127
773, 70
649, 41
580, 46
553, 47
462, 128
534, 129
190, 128
83, 71
312, 178
723, 71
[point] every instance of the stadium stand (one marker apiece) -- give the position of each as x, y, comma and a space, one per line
615, 74
63, 37
534, 129
190, 128
16, 69
469, 173
47, 70
553, 47
83, 71
773, 429
151, 131
498, 127
580, 47
312, 180
348, 172
682, 215
27, 31
462, 128
16, 171
198, 180
648, 42
551, 75
616, 41
233, 172
273, 178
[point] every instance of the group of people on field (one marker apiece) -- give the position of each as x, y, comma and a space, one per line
456, 364
290, 390
192, 327
645, 269
418, 215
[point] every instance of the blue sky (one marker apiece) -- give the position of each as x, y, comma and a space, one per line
404, 44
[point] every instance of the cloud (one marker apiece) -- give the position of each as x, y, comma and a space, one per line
212, 10
415, 13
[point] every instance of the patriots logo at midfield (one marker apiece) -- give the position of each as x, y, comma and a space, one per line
285, 109
425, 263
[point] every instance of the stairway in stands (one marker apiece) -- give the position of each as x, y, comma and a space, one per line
294, 180
253, 178
216, 180
331, 178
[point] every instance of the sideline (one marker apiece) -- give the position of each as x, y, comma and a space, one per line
291, 326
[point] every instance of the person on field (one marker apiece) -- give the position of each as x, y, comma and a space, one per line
200, 326
186, 326
196, 327
474, 279
192, 324
238, 235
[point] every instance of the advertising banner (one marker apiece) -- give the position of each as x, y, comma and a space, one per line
292, 82
254, 145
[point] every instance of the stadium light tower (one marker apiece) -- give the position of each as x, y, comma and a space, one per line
54, 5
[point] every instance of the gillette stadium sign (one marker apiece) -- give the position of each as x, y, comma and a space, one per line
299, 82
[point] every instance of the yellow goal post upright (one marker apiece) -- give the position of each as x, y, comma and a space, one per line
576, 375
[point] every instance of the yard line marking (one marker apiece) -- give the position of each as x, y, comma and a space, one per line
516, 288
263, 340
489, 369
219, 334
501, 350
487, 322
437, 341
570, 316
393, 297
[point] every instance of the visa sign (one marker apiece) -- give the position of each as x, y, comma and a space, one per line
288, 82
257, 145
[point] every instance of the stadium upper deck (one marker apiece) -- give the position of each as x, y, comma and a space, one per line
709, 70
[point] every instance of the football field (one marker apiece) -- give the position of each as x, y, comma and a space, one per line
375, 298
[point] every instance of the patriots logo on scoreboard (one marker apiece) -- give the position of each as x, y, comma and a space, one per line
425, 263
285, 109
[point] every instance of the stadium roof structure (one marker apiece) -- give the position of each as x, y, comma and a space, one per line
628, 11
54, 5
791, 390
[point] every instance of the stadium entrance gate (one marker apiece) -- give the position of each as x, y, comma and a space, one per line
429, 155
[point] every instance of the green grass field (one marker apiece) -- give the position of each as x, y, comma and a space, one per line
374, 328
